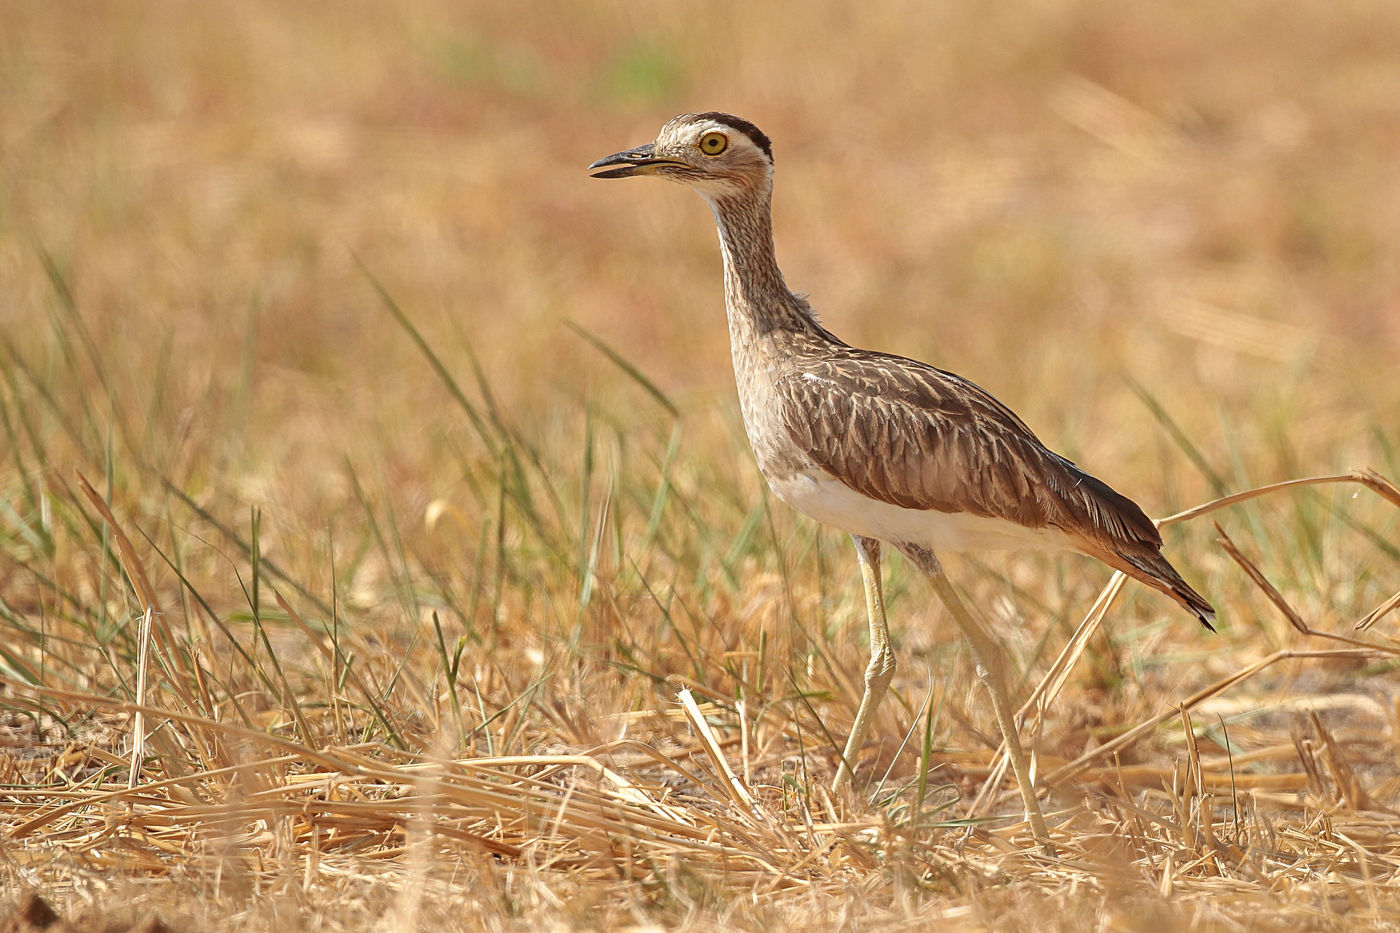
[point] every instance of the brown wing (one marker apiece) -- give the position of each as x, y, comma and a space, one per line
904, 432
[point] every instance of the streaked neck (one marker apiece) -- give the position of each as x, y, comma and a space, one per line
757, 298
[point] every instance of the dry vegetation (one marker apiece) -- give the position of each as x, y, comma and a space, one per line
421, 446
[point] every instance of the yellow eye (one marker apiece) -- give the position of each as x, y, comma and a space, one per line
712, 144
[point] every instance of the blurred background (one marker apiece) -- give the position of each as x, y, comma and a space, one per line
1164, 234
1053, 198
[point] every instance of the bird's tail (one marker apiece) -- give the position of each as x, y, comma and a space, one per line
1157, 572
1145, 562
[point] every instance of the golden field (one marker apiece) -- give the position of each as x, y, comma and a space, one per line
319, 342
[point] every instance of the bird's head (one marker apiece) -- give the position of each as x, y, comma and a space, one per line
715, 153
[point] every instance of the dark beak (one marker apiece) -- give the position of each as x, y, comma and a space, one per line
637, 161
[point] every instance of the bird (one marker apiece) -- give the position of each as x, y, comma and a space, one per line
888, 449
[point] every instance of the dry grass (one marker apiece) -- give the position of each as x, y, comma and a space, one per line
371, 484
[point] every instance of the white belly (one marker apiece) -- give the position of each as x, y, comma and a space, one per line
832, 502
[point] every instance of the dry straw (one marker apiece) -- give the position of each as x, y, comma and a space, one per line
263, 799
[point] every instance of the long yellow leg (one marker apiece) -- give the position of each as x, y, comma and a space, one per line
988, 654
880, 670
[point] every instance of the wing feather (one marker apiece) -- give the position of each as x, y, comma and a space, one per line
906, 433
